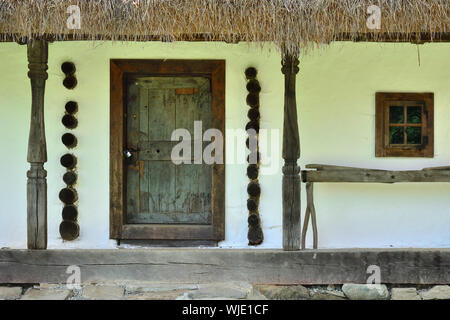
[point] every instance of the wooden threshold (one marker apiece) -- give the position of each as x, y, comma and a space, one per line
397, 266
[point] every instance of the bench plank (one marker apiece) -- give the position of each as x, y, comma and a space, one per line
376, 176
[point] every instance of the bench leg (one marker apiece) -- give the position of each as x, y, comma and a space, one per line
312, 208
310, 211
305, 226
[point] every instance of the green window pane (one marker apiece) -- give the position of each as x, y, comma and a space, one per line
414, 115
413, 135
396, 114
396, 135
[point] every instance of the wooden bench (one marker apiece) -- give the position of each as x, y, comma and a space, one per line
330, 173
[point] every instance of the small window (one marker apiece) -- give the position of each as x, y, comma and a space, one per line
404, 124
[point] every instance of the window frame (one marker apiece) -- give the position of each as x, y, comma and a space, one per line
383, 101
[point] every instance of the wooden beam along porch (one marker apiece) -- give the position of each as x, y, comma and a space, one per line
397, 266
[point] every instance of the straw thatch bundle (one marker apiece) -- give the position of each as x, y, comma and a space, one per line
292, 24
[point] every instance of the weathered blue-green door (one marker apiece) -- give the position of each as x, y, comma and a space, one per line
157, 190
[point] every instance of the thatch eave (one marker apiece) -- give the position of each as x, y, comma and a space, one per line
291, 24
416, 38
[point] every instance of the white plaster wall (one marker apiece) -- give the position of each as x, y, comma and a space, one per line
336, 98
336, 90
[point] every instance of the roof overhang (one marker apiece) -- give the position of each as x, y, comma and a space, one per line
290, 24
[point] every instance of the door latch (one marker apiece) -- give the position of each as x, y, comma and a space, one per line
128, 154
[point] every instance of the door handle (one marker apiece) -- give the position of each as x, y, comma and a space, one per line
128, 152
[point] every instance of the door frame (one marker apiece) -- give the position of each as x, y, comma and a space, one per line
119, 70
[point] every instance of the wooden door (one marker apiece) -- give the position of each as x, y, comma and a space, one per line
151, 198
157, 190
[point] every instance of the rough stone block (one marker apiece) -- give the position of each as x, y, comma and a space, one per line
365, 291
274, 292
46, 294
404, 294
10, 293
327, 295
159, 295
436, 293
158, 287
221, 291
103, 293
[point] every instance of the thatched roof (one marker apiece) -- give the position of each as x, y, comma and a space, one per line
288, 23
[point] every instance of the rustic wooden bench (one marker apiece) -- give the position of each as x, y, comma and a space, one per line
330, 173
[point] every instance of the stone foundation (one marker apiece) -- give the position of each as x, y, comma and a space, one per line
221, 291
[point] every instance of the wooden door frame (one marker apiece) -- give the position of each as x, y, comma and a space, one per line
119, 68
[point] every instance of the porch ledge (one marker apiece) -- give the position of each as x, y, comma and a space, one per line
189, 265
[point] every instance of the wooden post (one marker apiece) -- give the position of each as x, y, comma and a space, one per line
37, 149
291, 152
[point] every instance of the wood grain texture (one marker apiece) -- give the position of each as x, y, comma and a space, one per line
333, 167
37, 149
375, 176
291, 153
116, 150
121, 72
397, 266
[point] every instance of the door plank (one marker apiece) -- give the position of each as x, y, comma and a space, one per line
193, 192
161, 115
156, 150
162, 186
143, 114
193, 187
132, 175
143, 192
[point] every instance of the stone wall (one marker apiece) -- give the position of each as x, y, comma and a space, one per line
221, 291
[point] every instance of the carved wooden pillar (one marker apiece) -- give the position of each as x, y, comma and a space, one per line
37, 149
291, 152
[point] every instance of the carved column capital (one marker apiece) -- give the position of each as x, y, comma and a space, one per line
291, 140
37, 51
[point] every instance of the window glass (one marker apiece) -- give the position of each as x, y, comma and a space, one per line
413, 135
396, 135
396, 114
414, 115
